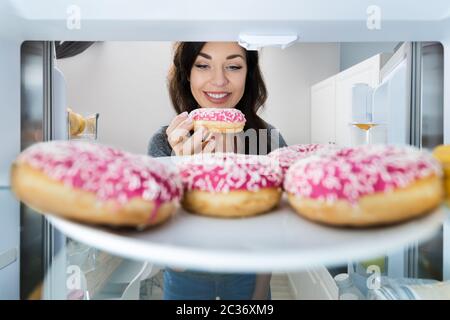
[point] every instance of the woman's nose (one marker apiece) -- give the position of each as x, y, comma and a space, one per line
219, 79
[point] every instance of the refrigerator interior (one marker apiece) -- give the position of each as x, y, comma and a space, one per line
67, 269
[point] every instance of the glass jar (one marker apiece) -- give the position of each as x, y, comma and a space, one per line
82, 127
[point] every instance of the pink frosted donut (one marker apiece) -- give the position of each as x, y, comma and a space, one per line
96, 184
226, 120
229, 184
286, 156
365, 185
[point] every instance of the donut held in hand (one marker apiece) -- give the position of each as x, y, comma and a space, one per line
218, 120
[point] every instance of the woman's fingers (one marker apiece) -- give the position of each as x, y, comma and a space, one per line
210, 145
175, 122
177, 149
219, 142
197, 140
193, 144
181, 132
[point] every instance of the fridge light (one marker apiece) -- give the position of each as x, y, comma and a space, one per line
256, 42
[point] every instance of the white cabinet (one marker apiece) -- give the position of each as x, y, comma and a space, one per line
331, 101
323, 111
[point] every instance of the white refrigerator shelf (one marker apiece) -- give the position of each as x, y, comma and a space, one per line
279, 241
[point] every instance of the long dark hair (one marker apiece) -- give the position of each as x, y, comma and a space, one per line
255, 93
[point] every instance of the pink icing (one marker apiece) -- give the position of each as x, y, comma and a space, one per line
224, 172
351, 173
109, 173
218, 114
286, 156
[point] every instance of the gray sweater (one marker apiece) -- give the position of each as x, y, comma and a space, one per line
159, 145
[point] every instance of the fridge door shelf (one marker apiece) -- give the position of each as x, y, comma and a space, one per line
279, 241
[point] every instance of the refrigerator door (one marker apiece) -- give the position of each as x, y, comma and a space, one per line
55, 128
410, 101
428, 258
432, 97
416, 99
391, 105
42, 118
32, 131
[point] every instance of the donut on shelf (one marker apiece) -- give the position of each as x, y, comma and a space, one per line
230, 185
286, 156
365, 185
218, 120
96, 184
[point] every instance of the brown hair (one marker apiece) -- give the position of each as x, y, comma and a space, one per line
255, 93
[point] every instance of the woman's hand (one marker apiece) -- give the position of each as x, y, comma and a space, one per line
181, 141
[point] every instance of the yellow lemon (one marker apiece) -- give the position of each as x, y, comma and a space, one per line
76, 123
442, 153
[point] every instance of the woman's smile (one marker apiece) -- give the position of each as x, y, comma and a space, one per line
217, 97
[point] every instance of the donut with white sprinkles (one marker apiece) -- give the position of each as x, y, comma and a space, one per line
287, 156
97, 184
218, 120
230, 185
365, 185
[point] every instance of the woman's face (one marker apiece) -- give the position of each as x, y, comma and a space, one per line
218, 75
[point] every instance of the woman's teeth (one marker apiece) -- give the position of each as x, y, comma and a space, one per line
217, 95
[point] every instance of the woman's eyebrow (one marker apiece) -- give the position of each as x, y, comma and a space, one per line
207, 56
235, 56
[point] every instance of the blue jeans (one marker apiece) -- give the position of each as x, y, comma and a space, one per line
192, 285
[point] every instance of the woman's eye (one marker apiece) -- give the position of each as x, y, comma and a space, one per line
201, 66
234, 67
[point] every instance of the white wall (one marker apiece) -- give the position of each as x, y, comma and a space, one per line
354, 52
126, 83
289, 74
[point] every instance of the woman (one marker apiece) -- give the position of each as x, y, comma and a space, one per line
219, 75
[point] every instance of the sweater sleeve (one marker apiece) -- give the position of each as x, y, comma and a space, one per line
276, 139
158, 145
